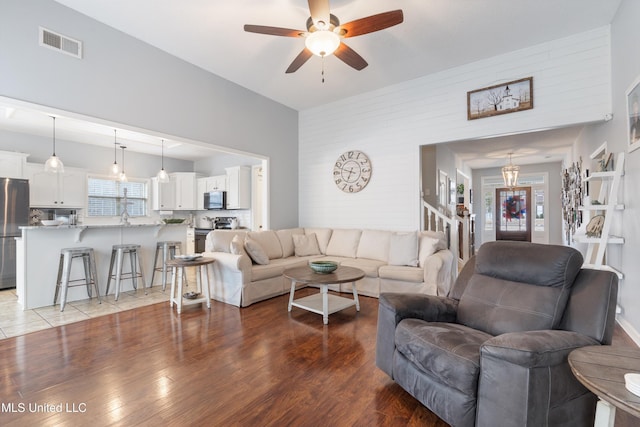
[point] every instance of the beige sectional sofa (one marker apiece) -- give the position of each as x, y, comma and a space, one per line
249, 264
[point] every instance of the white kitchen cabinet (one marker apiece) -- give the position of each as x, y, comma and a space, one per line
47, 190
162, 195
239, 187
209, 183
185, 190
13, 165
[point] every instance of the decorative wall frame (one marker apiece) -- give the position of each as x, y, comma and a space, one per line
633, 113
572, 195
499, 99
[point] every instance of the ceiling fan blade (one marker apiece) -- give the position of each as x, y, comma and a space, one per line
299, 61
319, 10
274, 31
350, 57
370, 24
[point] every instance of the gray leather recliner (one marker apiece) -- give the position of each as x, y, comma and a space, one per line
494, 351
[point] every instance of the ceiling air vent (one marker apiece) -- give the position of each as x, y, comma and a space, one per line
61, 43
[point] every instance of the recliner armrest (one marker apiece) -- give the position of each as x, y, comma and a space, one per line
533, 349
395, 307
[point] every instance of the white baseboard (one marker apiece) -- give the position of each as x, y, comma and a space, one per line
630, 330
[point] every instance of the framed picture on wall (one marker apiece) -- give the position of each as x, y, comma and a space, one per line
633, 113
500, 99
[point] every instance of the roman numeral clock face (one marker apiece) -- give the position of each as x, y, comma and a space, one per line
352, 171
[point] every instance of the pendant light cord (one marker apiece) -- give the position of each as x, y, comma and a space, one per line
163, 154
54, 135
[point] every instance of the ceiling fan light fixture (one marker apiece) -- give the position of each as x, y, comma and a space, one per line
322, 42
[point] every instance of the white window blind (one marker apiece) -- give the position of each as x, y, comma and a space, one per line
106, 197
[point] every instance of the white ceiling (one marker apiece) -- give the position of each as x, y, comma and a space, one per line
436, 35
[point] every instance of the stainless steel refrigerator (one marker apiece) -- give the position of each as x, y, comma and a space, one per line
14, 213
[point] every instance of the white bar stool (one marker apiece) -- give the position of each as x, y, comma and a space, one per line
67, 255
168, 250
117, 256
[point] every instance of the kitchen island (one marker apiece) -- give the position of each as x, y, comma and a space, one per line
38, 256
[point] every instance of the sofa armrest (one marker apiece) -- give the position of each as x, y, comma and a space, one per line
393, 307
534, 349
524, 376
437, 271
232, 262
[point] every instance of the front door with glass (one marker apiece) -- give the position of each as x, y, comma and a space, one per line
513, 221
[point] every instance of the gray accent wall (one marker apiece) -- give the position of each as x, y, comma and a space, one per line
124, 80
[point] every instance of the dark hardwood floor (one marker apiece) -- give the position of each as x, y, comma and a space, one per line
257, 366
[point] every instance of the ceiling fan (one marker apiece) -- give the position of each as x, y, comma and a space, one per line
324, 34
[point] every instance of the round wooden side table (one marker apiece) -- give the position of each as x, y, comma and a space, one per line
177, 266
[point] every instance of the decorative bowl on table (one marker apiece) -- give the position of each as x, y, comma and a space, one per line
191, 295
323, 267
189, 257
173, 220
50, 222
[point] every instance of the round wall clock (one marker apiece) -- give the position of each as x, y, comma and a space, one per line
352, 171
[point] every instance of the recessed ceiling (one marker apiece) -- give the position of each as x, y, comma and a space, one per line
436, 35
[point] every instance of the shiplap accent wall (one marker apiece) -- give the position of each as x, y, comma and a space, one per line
572, 84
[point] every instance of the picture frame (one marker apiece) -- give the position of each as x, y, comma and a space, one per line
633, 115
505, 98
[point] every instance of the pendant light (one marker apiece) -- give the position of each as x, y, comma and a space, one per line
123, 175
115, 169
163, 176
54, 164
510, 174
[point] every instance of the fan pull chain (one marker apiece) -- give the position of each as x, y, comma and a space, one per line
322, 68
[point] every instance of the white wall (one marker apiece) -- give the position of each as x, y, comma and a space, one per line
625, 67
123, 80
571, 85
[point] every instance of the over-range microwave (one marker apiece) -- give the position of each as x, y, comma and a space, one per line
215, 200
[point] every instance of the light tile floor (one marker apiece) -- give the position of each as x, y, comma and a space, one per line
14, 321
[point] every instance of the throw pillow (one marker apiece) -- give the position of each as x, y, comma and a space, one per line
255, 251
236, 246
306, 245
403, 249
428, 247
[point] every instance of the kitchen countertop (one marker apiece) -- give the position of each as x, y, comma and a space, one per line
85, 226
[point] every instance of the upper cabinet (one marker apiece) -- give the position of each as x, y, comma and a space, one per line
47, 190
177, 194
163, 195
13, 165
239, 187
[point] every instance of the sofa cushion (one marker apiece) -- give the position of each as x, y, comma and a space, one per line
518, 286
323, 235
286, 240
344, 243
448, 352
374, 244
401, 272
429, 243
403, 249
255, 251
268, 240
305, 244
220, 240
369, 266
275, 268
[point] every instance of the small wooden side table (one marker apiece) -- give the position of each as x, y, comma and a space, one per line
177, 267
601, 369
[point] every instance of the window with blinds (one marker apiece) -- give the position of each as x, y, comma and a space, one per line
106, 197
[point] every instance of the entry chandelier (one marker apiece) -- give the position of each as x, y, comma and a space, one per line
54, 164
510, 174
